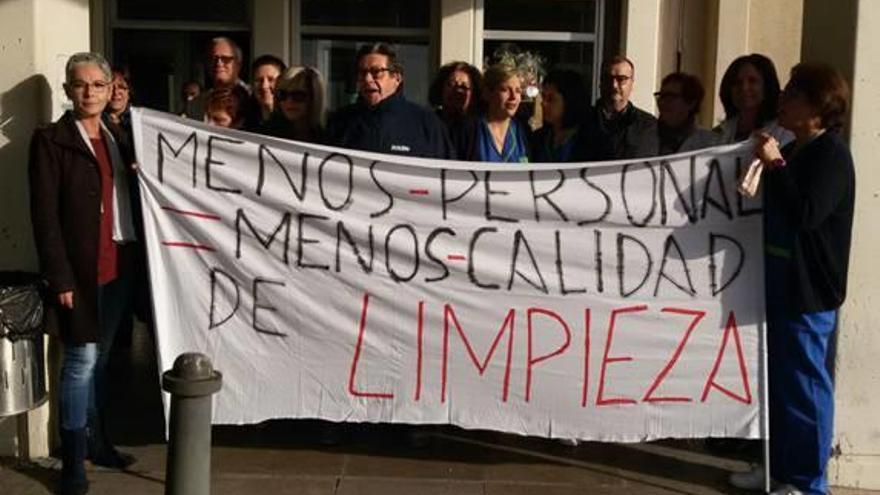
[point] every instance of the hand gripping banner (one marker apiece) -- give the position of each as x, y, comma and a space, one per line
612, 301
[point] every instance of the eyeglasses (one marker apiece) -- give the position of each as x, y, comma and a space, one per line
97, 86
375, 72
665, 95
120, 87
223, 59
618, 79
296, 95
458, 86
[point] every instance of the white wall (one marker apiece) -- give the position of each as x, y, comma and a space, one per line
854, 48
36, 37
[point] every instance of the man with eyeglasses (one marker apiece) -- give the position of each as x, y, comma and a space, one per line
383, 120
224, 59
631, 131
85, 237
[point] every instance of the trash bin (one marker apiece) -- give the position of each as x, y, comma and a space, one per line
22, 373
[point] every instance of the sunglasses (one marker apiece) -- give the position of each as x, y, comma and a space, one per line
223, 59
296, 95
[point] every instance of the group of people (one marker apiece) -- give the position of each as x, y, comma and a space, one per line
476, 115
87, 224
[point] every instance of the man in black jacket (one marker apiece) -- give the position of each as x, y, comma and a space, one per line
382, 120
631, 131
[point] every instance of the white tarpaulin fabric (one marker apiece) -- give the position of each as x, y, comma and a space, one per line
608, 301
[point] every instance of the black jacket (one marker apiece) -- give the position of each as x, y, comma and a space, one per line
632, 133
396, 126
815, 193
65, 196
590, 145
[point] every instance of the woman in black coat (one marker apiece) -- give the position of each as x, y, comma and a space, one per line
567, 135
84, 233
809, 197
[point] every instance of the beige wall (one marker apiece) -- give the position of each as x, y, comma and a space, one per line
844, 34
640, 42
457, 33
713, 33
271, 29
36, 38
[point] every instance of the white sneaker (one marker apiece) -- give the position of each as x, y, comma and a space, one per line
752, 479
786, 490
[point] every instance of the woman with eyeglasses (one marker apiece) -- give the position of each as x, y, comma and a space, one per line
679, 101
749, 93
455, 92
495, 135
84, 235
566, 135
300, 113
809, 197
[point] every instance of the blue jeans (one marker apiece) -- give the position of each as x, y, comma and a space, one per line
84, 367
77, 384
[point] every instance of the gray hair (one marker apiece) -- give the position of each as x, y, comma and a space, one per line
236, 50
83, 58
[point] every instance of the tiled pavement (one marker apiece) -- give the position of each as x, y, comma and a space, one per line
287, 457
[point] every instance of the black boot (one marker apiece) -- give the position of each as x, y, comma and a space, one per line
101, 451
73, 455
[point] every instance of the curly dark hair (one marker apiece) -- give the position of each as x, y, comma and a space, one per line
765, 67
435, 92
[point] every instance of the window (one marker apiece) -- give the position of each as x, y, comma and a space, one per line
332, 33
565, 33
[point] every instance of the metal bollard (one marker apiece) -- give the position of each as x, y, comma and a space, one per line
191, 382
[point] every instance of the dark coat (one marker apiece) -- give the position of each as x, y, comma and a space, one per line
590, 145
814, 195
632, 133
395, 126
65, 190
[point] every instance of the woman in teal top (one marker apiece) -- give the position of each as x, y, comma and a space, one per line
496, 136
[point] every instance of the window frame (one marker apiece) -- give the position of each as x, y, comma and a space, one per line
481, 35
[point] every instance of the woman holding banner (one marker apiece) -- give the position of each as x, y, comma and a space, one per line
679, 101
808, 210
566, 135
750, 95
300, 114
496, 136
84, 233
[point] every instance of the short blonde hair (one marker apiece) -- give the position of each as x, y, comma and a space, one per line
496, 75
308, 79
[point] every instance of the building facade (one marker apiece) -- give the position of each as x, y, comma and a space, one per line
163, 42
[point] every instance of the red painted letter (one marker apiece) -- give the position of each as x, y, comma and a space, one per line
600, 397
449, 314
532, 361
584, 393
698, 315
362, 329
744, 374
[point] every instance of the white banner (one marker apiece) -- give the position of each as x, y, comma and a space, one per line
608, 301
